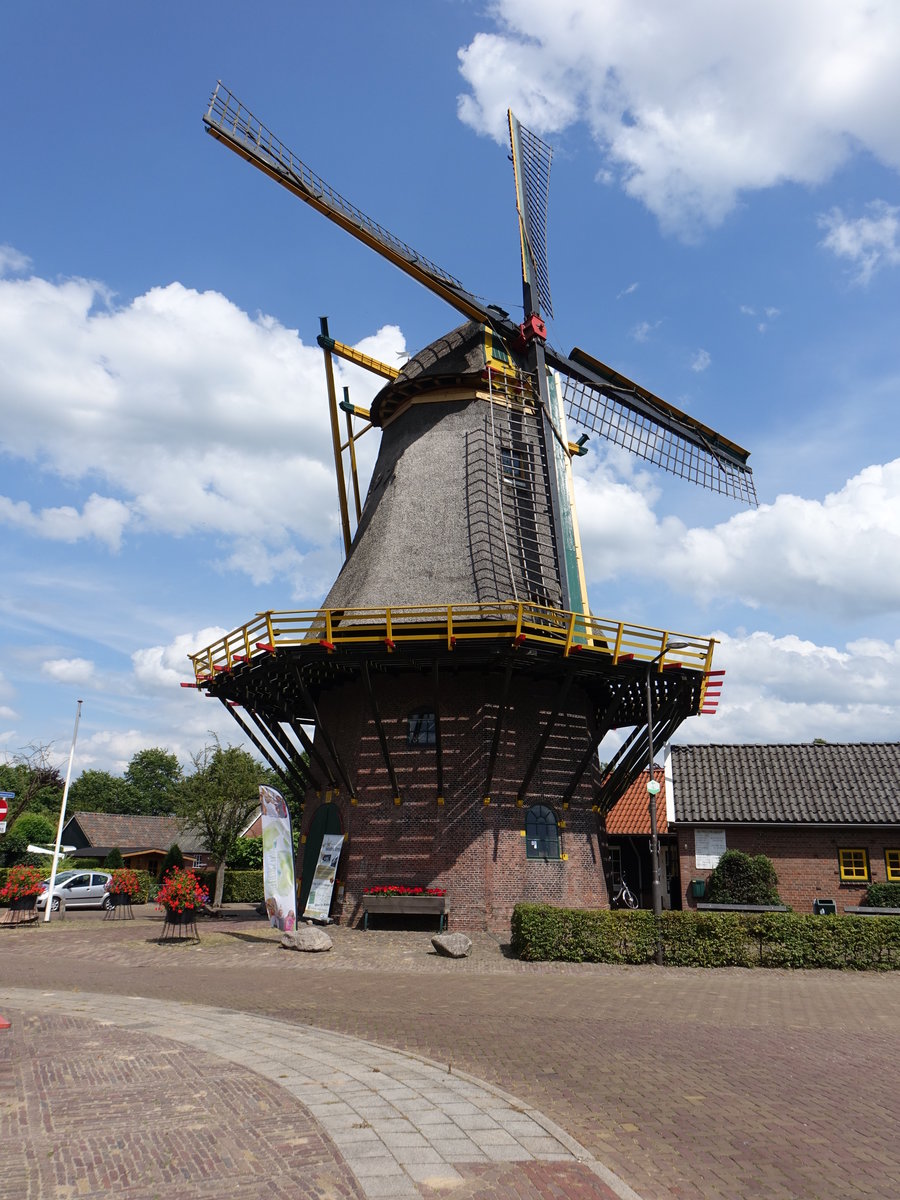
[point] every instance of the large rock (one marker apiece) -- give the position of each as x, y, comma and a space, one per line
452, 945
307, 938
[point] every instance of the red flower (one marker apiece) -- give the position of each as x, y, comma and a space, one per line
22, 881
181, 889
397, 889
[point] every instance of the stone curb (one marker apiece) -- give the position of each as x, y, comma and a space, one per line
398, 1119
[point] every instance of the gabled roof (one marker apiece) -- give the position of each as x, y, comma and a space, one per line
856, 783
134, 832
631, 814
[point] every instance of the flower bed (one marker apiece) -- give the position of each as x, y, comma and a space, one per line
396, 889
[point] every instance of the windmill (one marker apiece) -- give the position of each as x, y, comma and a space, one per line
454, 675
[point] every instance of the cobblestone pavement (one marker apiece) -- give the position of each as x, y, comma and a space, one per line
728, 1084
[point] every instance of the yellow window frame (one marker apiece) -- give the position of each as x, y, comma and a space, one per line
854, 865
892, 866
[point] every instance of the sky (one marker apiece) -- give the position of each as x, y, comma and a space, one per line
724, 227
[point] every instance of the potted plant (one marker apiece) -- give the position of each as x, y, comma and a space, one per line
123, 889
23, 886
181, 895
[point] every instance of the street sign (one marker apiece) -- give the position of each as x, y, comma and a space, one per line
4, 807
2, 827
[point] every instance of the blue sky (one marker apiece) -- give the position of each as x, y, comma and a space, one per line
724, 226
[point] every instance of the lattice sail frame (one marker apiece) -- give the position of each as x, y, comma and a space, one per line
533, 157
614, 419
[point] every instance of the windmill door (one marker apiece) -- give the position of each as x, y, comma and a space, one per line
326, 819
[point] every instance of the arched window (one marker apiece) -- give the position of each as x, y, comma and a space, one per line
420, 728
541, 833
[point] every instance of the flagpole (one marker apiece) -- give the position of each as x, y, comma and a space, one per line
62, 816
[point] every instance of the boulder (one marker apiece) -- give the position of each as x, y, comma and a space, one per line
452, 945
307, 938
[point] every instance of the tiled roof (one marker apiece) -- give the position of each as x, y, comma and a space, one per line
135, 833
849, 784
631, 814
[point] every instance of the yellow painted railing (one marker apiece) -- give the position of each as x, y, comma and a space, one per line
571, 633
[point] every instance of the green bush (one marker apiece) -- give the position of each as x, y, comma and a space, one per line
114, 860
241, 887
541, 933
883, 895
246, 855
742, 879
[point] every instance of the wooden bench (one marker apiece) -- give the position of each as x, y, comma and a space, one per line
406, 906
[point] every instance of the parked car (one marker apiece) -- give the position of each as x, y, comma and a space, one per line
79, 889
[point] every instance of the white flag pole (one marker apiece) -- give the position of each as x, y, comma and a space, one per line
62, 816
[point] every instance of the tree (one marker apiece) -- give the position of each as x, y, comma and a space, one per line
37, 783
217, 800
28, 828
98, 791
174, 858
114, 860
153, 776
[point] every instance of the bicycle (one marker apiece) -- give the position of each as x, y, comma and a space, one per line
624, 897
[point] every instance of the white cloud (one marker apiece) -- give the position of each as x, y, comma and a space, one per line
101, 518
7, 713
701, 360
197, 418
74, 671
787, 689
641, 332
12, 261
839, 556
693, 103
628, 291
165, 667
868, 243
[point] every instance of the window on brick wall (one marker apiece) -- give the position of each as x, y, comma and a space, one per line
420, 728
854, 866
615, 867
892, 865
541, 833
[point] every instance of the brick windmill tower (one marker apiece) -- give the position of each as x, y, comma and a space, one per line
443, 709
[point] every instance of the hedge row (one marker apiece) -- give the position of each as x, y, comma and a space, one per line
241, 887
541, 933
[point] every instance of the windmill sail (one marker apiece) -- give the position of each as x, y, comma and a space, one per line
531, 162
601, 400
594, 396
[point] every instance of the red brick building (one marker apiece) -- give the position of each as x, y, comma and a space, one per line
827, 815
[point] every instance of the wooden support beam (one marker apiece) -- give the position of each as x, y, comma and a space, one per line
310, 703
277, 734
278, 768
498, 731
438, 746
561, 694
600, 729
379, 729
315, 755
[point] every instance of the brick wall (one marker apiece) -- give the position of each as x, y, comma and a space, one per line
475, 851
805, 860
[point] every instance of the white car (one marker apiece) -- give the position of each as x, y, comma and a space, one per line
79, 889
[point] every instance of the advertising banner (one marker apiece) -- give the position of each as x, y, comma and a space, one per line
278, 860
319, 903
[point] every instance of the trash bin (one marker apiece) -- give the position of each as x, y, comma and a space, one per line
698, 888
824, 908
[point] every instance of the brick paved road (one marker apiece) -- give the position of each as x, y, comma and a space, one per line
730, 1084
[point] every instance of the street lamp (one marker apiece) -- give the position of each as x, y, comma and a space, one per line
653, 786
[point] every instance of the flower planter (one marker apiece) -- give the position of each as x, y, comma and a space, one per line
119, 907
21, 911
180, 924
405, 906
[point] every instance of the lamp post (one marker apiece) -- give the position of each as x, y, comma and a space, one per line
653, 786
